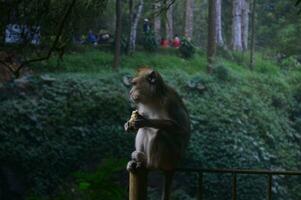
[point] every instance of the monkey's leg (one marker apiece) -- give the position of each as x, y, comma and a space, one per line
138, 161
168, 176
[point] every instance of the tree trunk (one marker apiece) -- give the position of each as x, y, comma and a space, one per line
157, 21
130, 23
245, 24
116, 61
253, 35
169, 23
134, 24
219, 35
236, 26
189, 19
211, 48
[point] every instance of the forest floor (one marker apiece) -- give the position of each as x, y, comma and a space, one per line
92, 61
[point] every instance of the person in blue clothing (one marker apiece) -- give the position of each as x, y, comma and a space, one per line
91, 38
146, 26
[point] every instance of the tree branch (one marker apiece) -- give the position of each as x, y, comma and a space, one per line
165, 7
7, 66
54, 44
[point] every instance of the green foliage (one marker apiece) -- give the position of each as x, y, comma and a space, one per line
149, 42
222, 73
287, 38
123, 45
278, 26
262, 63
100, 183
95, 61
181, 195
175, 195
68, 122
186, 49
290, 63
238, 126
243, 119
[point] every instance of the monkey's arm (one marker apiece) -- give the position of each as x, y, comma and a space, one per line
165, 124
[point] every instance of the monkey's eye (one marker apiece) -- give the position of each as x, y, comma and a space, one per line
152, 77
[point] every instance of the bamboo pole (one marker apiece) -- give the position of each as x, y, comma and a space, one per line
138, 185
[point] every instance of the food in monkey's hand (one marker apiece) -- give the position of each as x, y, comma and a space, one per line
133, 118
130, 125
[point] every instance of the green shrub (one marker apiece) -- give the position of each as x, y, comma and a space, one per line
290, 63
123, 45
149, 42
56, 127
244, 119
101, 183
186, 49
222, 73
238, 57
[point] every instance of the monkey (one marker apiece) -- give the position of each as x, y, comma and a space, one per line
162, 124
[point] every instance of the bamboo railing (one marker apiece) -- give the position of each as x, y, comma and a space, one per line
138, 180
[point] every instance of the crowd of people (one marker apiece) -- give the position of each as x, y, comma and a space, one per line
164, 43
104, 37
175, 42
91, 38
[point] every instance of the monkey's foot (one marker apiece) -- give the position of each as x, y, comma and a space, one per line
138, 156
133, 166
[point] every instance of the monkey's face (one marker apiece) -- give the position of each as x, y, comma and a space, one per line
144, 87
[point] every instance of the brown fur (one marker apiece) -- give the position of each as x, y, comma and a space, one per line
163, 125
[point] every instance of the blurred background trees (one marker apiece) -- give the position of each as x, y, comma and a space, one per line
277, 26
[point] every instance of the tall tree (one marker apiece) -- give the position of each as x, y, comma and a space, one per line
169, 22
297, 4
253, 34
236, 26
245, 23
189, 19
219, 35
211, 48
157, 21
131, 5
135, 16
116, 61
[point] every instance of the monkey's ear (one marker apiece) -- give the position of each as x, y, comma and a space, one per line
152, 77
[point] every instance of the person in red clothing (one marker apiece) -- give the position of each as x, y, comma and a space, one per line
176, 43
164, 43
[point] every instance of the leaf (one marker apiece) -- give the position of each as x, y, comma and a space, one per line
84, 185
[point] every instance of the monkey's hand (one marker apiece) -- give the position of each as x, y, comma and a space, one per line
140, 122
136, 121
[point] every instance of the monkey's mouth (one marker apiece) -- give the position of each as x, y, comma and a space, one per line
134, 98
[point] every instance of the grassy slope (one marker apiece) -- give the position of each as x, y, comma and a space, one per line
243, 119
97, 61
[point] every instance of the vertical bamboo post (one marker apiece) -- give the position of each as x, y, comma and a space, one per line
234, 186
200, 186
269, 191
138, 185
